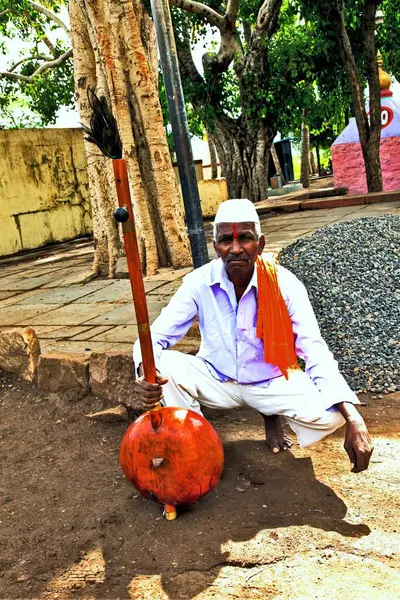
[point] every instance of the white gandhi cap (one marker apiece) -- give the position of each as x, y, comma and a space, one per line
237, 211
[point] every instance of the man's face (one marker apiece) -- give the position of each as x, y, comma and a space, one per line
238, 246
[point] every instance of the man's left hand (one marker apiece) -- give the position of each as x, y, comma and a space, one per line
358, 444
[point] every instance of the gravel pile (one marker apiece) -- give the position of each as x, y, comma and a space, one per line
352, 273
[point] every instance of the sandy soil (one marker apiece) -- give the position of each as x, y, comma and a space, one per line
296, 526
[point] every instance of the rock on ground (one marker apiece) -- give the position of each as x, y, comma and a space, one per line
65, 374
19, 353
111, 415
352, 274
112, 378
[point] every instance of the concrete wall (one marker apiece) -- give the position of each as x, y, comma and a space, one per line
349, 167
44, 194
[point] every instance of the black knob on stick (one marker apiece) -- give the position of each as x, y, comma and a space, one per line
121, 214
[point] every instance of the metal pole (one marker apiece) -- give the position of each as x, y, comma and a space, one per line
180, 130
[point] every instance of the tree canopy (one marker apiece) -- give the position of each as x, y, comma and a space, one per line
273, 65
39, 80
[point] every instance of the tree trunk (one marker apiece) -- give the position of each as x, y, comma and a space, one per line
114, 50
369, 130
313, 166
278, 168
213, 157
372, 150
318, 157
244, 158
305, 156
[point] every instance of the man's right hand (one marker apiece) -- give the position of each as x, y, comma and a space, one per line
150, 393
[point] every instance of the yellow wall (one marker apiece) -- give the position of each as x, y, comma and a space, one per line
212, 193
44, 191
44, 195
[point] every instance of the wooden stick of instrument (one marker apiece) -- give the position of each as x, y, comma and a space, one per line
103, 132
125, 215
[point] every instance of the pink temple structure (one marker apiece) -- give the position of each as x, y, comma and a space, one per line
347, 158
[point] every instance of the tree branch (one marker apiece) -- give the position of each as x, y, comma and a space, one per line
202, 10
33, 57
51, 64
49, 14
371, 68
231, 11
267, 17
4, 12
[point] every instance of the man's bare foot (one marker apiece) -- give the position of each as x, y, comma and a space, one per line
275, 437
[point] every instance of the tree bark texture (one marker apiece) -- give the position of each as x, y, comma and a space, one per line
114, 50
213, 156
243, 144
305, 156
278, 168
372, 150
244, 158
313, 166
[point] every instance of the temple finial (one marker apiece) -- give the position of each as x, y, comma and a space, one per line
385, 80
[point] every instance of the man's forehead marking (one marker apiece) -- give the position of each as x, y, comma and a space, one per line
235, 226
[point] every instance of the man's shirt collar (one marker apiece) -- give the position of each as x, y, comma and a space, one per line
219, 276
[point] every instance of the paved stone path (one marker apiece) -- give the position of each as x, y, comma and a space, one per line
49, 289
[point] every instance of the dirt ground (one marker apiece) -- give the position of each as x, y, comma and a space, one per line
296, 526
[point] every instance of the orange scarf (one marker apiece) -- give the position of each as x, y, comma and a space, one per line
274, 326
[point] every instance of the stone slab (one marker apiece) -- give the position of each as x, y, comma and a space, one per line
290, 235
167, 274
119, 334
56, 332
30, 271
327, 192
29, 283
17, 298
278, 204
89, 333
295, 227
122, 347
62, 295
5, 295
75, 347
73, 314
7, 270
124, 315
78, 277
25, 315
340, 201
117, 291
167, 289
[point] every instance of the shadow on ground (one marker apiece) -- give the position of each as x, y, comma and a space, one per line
64, 495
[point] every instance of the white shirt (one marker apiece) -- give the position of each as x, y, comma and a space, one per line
229, 345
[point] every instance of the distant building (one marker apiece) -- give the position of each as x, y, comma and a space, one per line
347, 158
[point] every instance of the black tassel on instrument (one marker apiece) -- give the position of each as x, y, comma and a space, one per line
103, 130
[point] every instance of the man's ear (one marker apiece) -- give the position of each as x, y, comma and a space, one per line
261, 244
215, 248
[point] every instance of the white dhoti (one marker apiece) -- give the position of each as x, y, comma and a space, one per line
190, 385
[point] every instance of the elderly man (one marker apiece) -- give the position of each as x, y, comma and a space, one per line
255, 318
